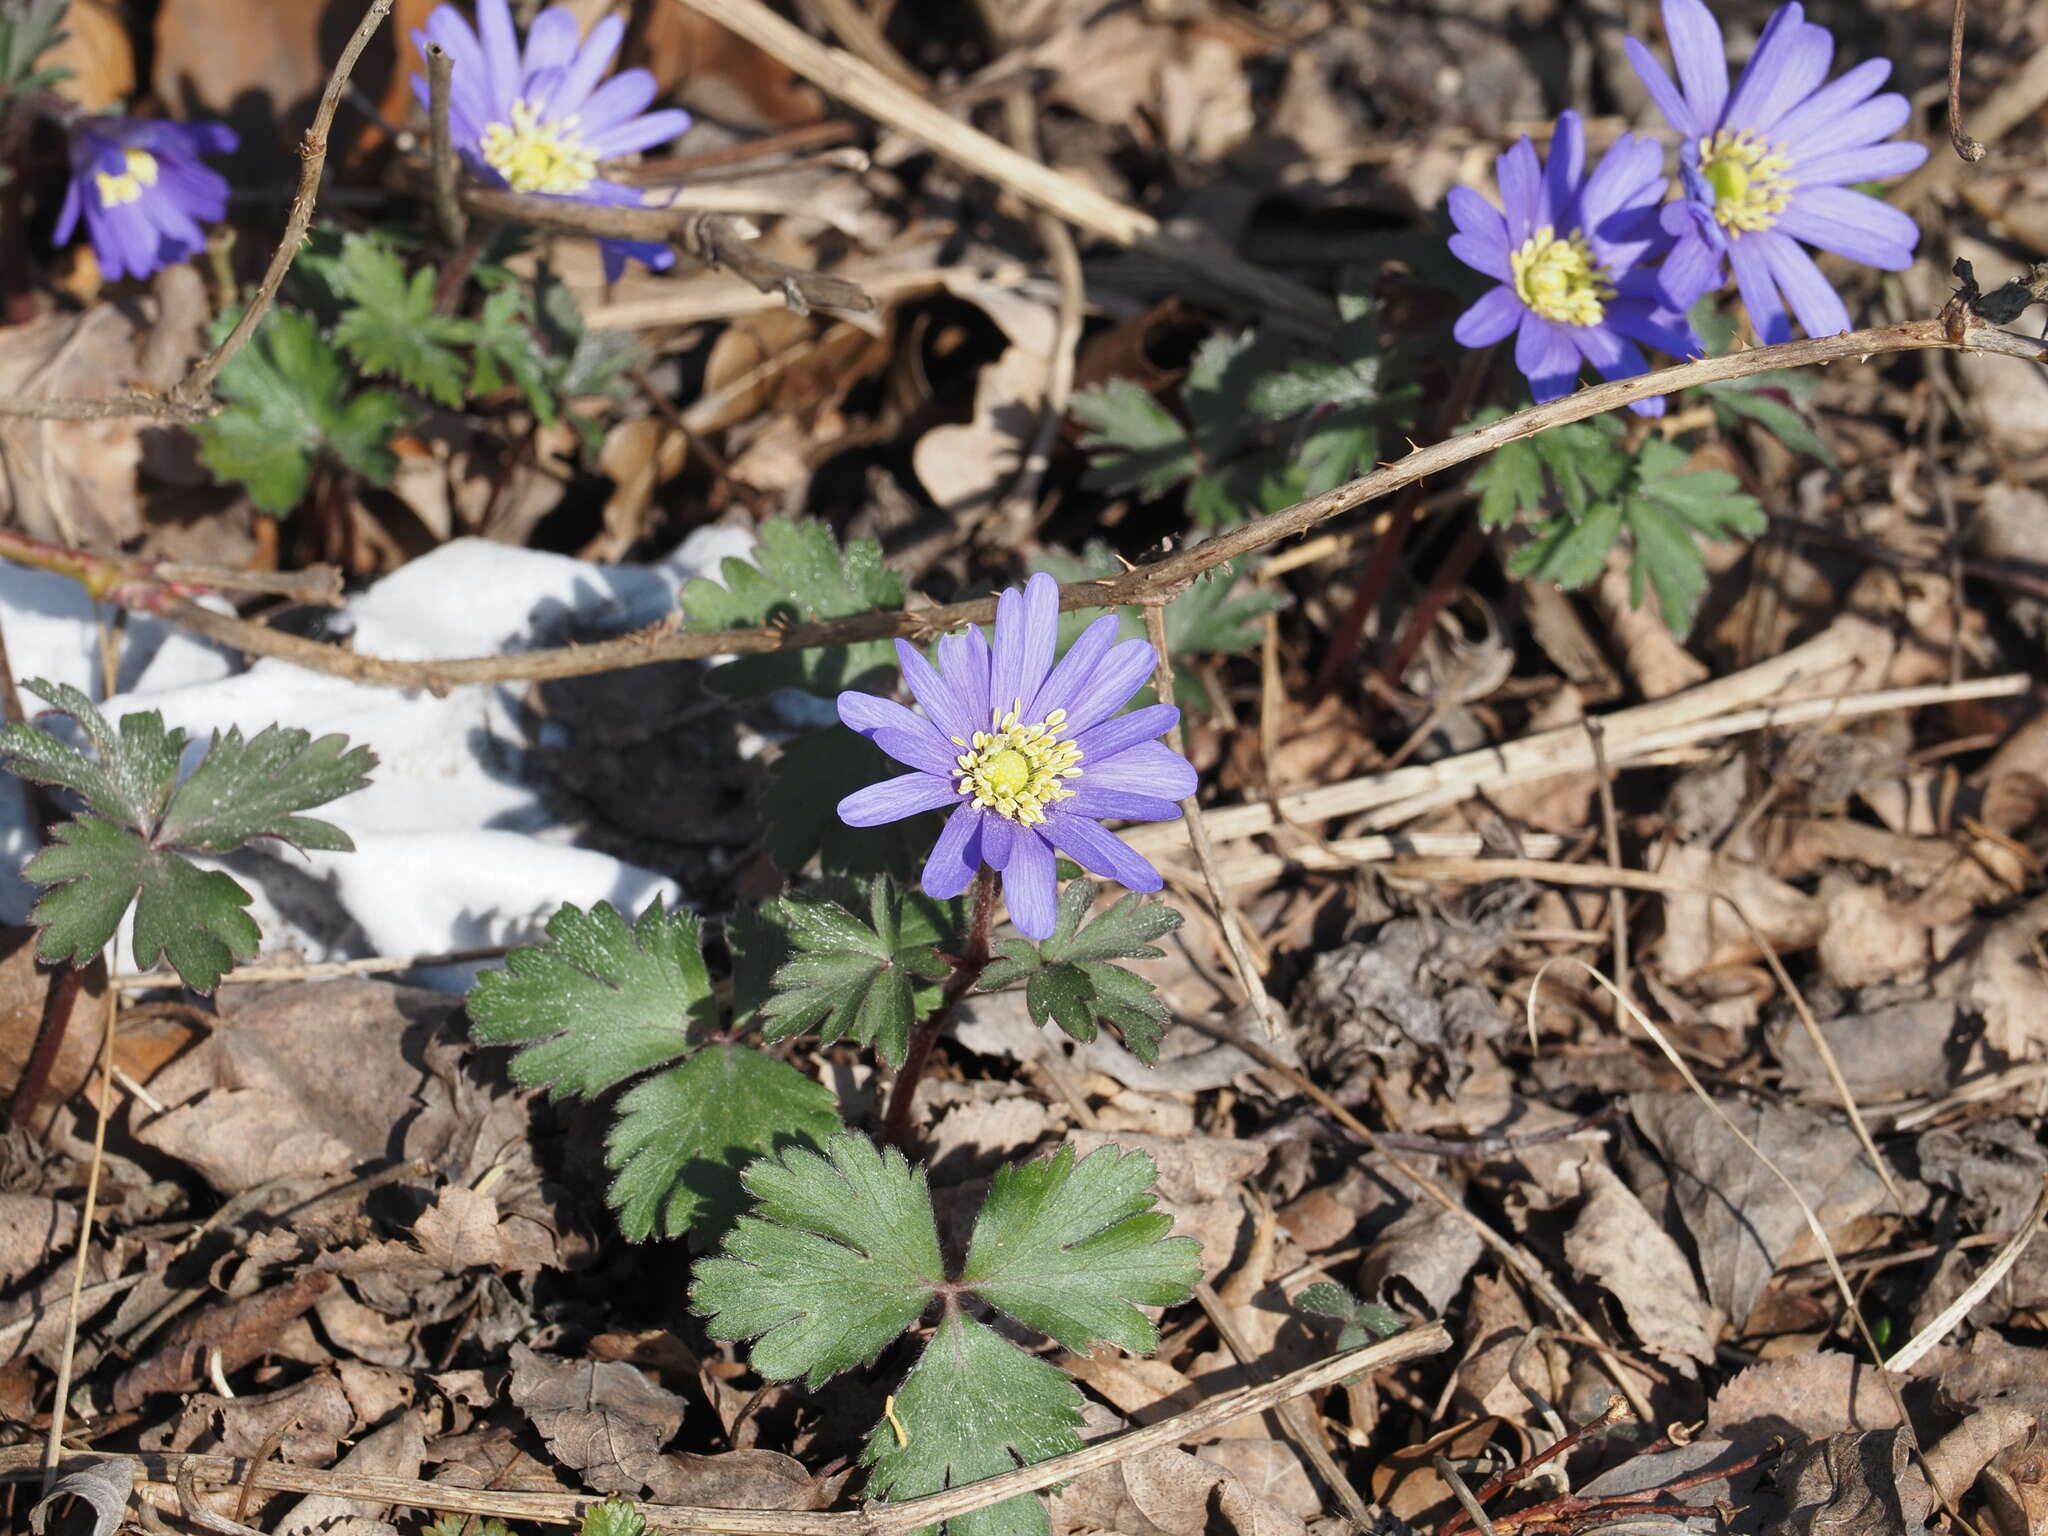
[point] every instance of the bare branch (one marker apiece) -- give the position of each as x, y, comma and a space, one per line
135, 581
1966, 148
714, 239
447, 170
1956, 330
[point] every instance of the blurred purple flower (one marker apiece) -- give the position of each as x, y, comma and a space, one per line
142, 190
1571, 254
1765, 167
1031, 756
538, 121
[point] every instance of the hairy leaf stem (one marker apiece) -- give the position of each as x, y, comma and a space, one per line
967, 968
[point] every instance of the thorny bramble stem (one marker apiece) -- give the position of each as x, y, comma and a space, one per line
967, 969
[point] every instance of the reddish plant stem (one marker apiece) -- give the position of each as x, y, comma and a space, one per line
1616, 1411
967, 969
1386, 549
57, 1007
1445, 582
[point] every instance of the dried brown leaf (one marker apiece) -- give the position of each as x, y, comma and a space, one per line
1809, 1395
464, 1229
1853, 1485
242, 1331
601, 1418
1618, 1243
395, 1450
1742, 1220
1166, 1493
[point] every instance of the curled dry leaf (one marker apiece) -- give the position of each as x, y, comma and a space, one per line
309, 1419
2016, 1488
2000, 976
1854, 1485
242, 1331
743, 1479
1954, 1461
1871, 938
1426, 1254
104, 1485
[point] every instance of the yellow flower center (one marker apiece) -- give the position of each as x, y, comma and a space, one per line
1748, 177
1014, 769
1558, 278
534, 156
127, 186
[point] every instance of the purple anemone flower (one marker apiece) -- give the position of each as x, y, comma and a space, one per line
142, 190
539, 121
1571, 253
1765, 167
1030, 755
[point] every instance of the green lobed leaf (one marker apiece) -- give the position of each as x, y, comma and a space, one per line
286, 405
1337, 446
1132, 441
681, 1137
1569, 551
1509, 480
840, 1257
137, 764
800, 822
468, 1525
1363, 1321
390, 326
244, 790
614, 1517
974, 1406
94, 869
851, 979
1671, 510
1073, 1247
1782, 420
601, 1002
1071, 980
799, 575
506, 348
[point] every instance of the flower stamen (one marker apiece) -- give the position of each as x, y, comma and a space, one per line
1749, 178
536, 156
118, 188
1558, 278
1016, 769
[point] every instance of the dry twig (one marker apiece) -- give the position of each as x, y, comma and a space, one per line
1146, 584
447, 170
